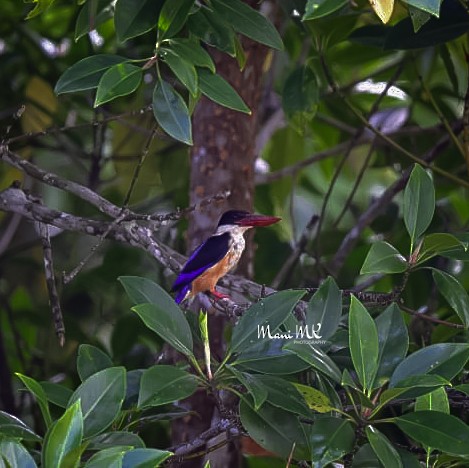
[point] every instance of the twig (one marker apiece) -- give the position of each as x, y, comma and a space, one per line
296, 253
356, 184
390, 141
43, 231
138, 167
429, 318
376, 207
32, 135
54, 180
353, 143
466, 120
68, 277
186, 448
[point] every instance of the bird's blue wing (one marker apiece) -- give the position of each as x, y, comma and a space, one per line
205, 256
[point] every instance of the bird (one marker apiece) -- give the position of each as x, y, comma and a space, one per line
218, 255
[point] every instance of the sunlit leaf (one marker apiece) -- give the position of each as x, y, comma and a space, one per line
383, 8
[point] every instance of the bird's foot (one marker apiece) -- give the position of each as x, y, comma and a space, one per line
219, 295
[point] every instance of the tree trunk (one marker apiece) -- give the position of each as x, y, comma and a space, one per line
222, 158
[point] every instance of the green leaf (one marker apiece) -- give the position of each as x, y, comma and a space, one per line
142, 290
393, 341
270, 312
172, 18
191, 51
109, 458
63, 437
164, 384
429, 381
383, 258
419, 203
437, 244
213, 30
274, 429
435, 401
444, 359
92, 14
40, 7
300, 96
119, 80
86, 73
56, 393
116, 438
447, 58
315, 399
454, 293
317, 358
330, 439
144, 458
184, 70
252, 384
101, 398
325, 308
14, 454
135, 17
35, 388
14, 428
268, 357
166, 319
384, 450
436, 31
364, 347
418, 17
220, 91
319, 8
412, 387
383, 9
283, 394
435, 429
248, 22
171, 112
429, 6
91, 360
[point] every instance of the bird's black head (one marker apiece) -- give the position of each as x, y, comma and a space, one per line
245, 219
232, 217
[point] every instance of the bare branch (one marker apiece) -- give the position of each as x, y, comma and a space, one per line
43, 231
377, 206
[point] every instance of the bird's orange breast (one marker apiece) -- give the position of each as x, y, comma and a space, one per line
209, 278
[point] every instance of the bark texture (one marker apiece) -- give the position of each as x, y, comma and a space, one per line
222, 158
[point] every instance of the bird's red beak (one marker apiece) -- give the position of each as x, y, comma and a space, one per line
255, 220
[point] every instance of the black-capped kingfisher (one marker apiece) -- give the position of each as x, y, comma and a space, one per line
218, 255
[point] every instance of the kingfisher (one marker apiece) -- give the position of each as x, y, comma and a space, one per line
218, 255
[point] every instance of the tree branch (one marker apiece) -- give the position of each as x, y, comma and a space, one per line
367, 217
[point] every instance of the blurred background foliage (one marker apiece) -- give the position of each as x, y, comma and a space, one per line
332, 70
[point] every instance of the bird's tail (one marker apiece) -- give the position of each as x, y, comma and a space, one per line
182, 294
